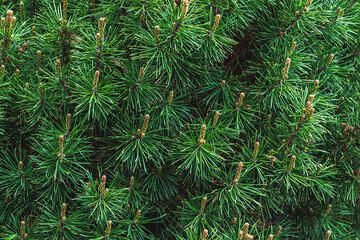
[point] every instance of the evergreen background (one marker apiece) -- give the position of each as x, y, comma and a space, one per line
178, 119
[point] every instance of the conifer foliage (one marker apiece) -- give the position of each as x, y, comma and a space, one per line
180, 119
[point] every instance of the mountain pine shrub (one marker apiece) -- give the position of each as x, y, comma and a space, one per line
180, 119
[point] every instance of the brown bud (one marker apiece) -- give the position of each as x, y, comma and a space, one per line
33, 33
106, 192
238, 172
216, 22
316, 83
63, 219
202, 142
22, 228
2, 69
249, 237
271, 237
20, 164
58, 67
67, 125
268, 119
327, 235
22, 11
328, 209
216, 118
203, 204
63, 210
241, 98
141, 73
102, 185
145, 123
137, 216
292, 47
331, 57
302, 118
311, 98
204, 234
61, 144
309, 140
234, 220
292, 163
101, 26
256, 149
38, 60
246, 228
287, 62
96, 80
8, 20
202, 132
241, 235
65, 6
108, 229
308, 105
171, 97
138, 132
184, 9
131, 184
157, 33
98, 39
286, 68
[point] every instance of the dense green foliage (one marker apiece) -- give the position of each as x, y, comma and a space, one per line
179, 119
